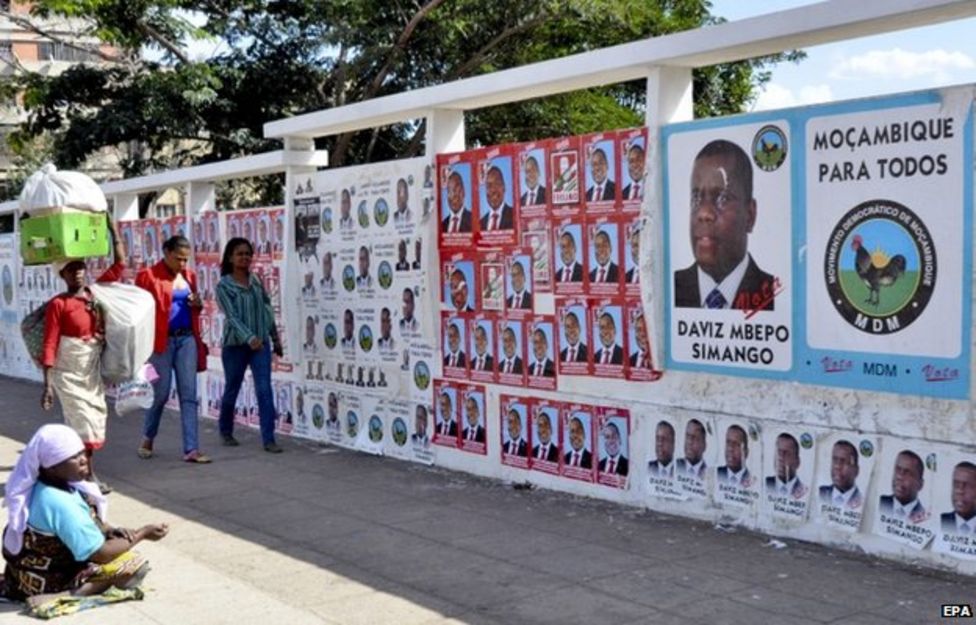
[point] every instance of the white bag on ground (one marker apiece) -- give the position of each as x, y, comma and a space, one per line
136, 395
130, 329
51, 191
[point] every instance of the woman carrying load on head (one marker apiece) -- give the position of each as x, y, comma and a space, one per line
73, 340
57, 541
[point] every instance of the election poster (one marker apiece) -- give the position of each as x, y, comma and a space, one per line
513, 420
788, 458
908, 475
729, 252
545, 433
613, 446
888, 233
955, 503
737, 479
845, 464
578, 436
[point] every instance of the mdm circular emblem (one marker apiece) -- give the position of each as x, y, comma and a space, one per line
769, 148
880, 266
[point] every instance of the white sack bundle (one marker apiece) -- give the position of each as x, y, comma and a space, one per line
130, 329
50, 191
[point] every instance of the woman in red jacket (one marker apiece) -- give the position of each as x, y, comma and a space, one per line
74, 334
178, 347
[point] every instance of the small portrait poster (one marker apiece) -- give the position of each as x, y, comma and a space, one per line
498, 218
631, 253
536, 237
955, 503
691, 468
605, 253
513, 420
491, 270
459, 285
457, 217
354, 419
482, 349
545, 435
541, 340
568, 264
511, 352
613, 447
519, 297
574, 353
278, 240
533, 181
474, 437
632, 151
610, 358
788, 458
904, 509
600, 166
737, 480
453, 342
564, 172
446, 430
578, 436
333, 418
845, 463
641, 366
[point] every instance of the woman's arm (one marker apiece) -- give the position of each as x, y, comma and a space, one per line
123, 540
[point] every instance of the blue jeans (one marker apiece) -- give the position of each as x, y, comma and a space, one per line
180, 357
236, 359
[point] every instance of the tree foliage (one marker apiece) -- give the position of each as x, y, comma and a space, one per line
283, 57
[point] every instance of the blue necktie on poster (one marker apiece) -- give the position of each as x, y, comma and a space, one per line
715, 299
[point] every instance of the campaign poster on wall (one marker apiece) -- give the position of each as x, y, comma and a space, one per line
578, 423
908, 475
513, 420
474, 425
632, 151
600, 172
533, 167
845, 464
738, 478
955, 503
888, 228
446, 398
613, 446
691, 466
541, 339
374, 426
334, 418
456, 196
661, 460
498, 217
545, 433
789, 456
728, 247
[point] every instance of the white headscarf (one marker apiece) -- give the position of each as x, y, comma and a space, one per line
52, 444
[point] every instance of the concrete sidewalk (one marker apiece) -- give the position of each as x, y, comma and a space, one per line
319, 535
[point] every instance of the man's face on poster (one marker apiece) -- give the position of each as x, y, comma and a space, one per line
446, 407
641, 333
347, 324
363, 261
471, 412
345, 205
333, 407
598, 166
508, 343
262, 231
495, 188
907, 480
402, 194
459, 290
608, 330
480, 341
327, 265
694, 442
576, 434
455, 193
402, 252
309, 330
531, 173
843, 466
408, 304
964, 491
540, 345
453, 338
664, 443
544, 427
385, 325
279, 229
787, 458
611, 440
518, 277
735, 449
567, 249
572, 329
635, 163
514, 425
602, 247
420, 421
635, 247
721, 216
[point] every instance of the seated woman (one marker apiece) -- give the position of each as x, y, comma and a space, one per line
57, 542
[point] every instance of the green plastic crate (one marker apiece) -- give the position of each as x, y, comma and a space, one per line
53, 238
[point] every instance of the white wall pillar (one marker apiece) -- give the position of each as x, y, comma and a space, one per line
445, 131
126, 206
669, 99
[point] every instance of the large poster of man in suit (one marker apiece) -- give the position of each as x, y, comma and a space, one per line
457, 220
729, 244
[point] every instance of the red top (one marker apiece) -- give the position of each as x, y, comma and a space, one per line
158, 280
68, 315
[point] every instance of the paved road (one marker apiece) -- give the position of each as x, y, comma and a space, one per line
319, 535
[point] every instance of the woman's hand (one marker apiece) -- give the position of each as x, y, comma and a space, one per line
195, 300
47, 398
121, 532
256, 344
278, 349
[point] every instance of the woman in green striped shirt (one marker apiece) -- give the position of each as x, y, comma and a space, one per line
249, 337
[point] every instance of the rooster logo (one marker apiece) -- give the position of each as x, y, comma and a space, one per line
769, 148
880, 266
876, 269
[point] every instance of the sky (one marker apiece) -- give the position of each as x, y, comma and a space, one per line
920, 58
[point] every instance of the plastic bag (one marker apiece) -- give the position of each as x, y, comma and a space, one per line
50, 191
136, 395
130, 329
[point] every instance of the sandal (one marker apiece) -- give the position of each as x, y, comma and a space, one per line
196, 457
145, 450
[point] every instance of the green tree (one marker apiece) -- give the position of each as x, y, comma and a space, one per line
282, 57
